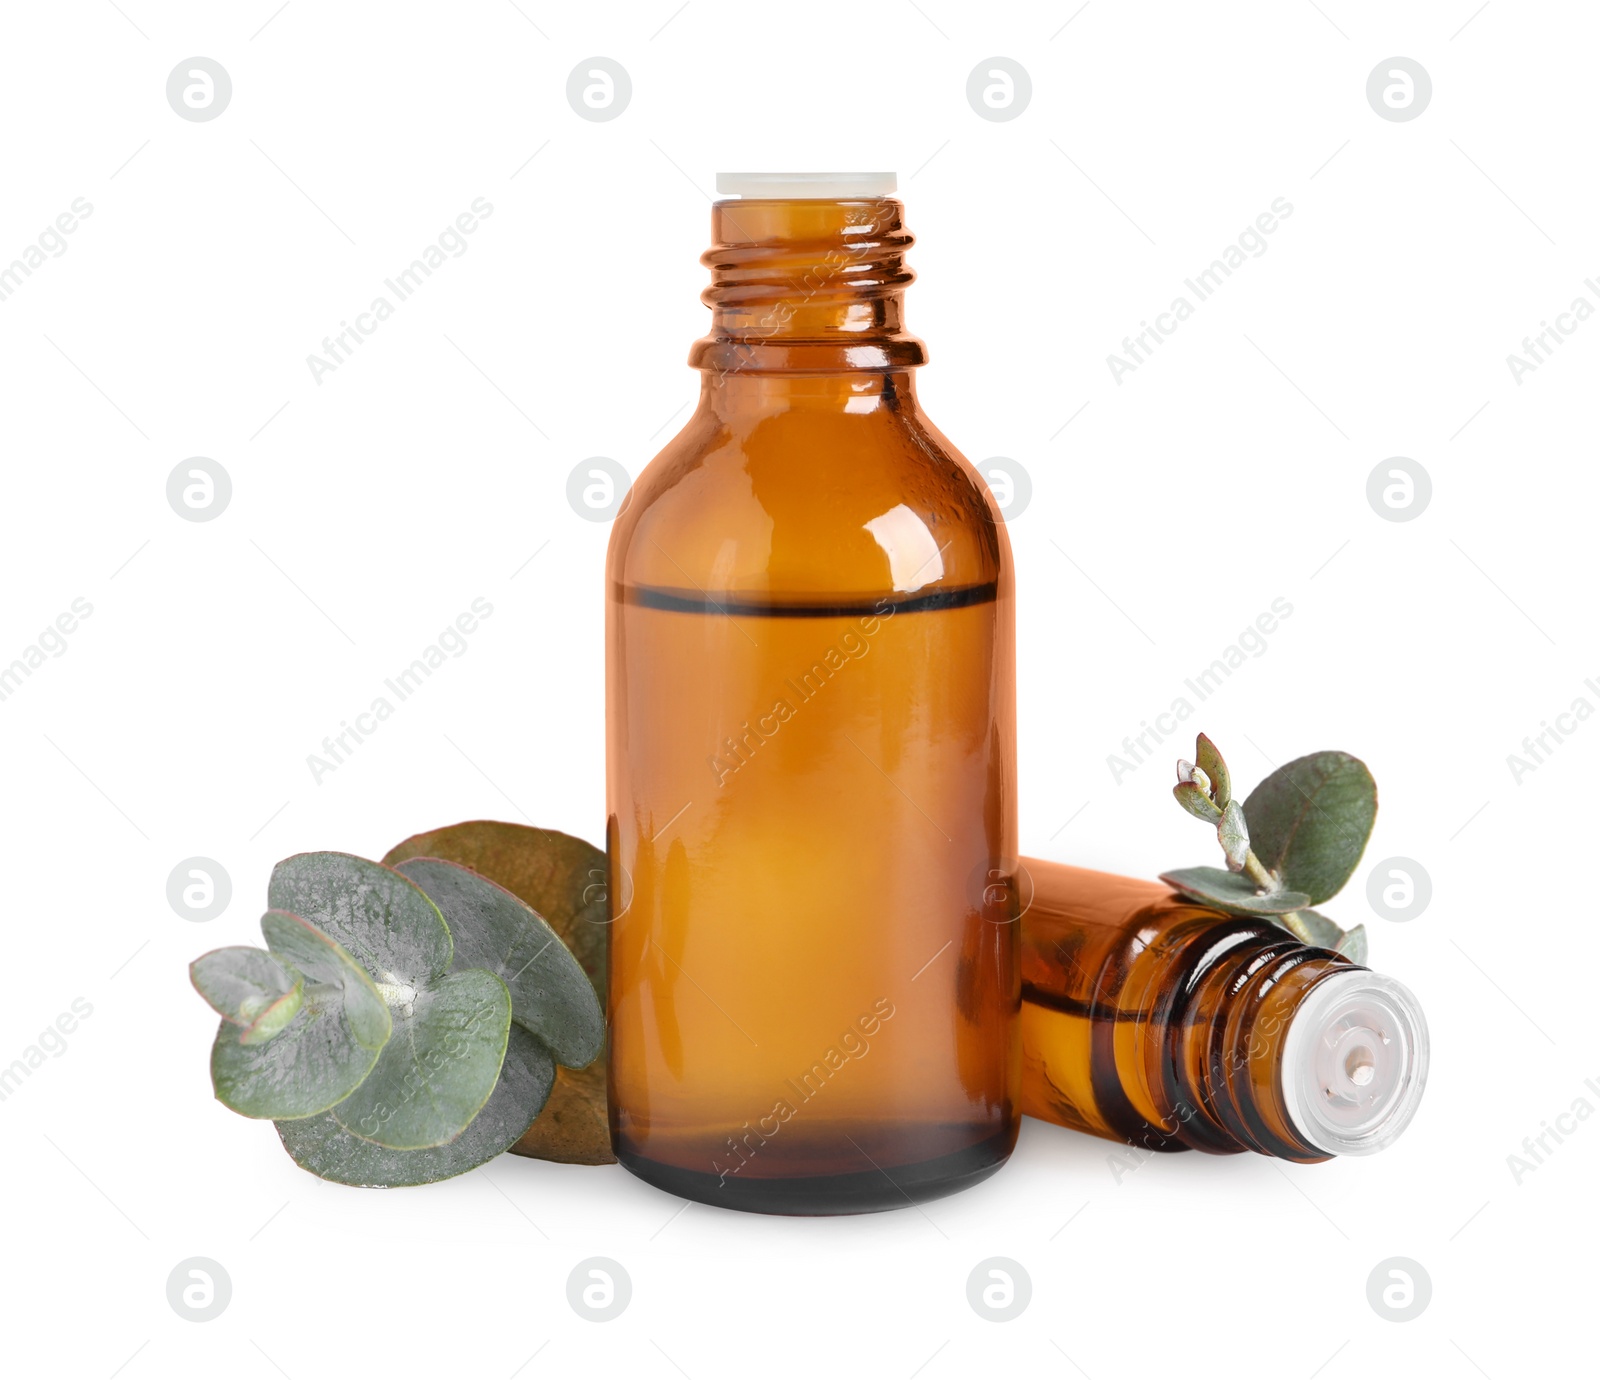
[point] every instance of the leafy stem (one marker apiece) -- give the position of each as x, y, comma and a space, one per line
404, 1024
1312, 818
1257, 873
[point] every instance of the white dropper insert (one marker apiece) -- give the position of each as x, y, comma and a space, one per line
1355, 1059
805, 186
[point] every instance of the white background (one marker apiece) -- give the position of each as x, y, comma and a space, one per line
372, 508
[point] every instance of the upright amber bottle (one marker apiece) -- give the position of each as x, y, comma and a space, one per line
1153, 1020
811, 747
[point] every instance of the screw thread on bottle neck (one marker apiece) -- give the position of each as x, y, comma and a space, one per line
1294, 1052
807, 285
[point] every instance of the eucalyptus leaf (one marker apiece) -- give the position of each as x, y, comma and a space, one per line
306, 948
1234, 837
575, 1126
1196, 802
1314, 928
1209, 760
393, 930
1310, 927
322, 1146
1310, 821
564, 878
275, 1018
440, 1067
312, 1064
550, 994
1232, 892
320, 1056
1354, 944
248, 987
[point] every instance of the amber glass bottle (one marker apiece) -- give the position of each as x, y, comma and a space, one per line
1150, 1019
811, 747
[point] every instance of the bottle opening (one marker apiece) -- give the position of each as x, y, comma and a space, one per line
805, 186
1355, 1059
808, 276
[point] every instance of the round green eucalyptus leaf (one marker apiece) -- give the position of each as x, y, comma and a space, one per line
574, 1127
250, 988
1310, 821
1312, 927
1354, 944
275, 1018
564, 878
310, 1065
322, 1146
306, 948
568, 882
393, 930
492, 929
1232, 891
439, 1068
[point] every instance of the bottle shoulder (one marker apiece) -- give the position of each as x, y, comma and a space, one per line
1126, 941
803, 502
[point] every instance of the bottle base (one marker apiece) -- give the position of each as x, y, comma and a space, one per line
829, 1195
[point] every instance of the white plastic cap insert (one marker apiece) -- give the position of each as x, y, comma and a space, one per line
806, 186
1355, 1061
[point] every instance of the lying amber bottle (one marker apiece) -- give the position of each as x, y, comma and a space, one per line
811, 747
1150, 1019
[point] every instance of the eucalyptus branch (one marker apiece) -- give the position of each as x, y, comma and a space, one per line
1258, 873
1313, 817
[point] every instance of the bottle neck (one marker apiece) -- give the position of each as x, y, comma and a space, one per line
1291, 1051
807, 287
746, 394
1229, 1023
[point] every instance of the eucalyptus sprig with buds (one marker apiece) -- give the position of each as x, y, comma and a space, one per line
1291, 845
